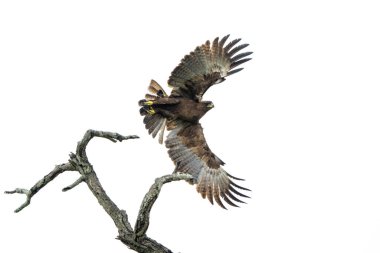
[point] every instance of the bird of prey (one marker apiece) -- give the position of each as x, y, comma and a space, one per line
181, 111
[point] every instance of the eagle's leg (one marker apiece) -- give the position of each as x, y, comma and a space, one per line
146, 109
151, 109
167, 114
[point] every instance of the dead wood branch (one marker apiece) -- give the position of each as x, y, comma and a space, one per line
136, 238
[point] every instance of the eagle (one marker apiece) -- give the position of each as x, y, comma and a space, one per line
181, 111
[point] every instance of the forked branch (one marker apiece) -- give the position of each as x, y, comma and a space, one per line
136, 238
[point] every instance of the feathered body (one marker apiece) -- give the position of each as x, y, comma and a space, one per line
181, 111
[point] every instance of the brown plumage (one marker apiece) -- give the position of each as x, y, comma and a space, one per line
181, 111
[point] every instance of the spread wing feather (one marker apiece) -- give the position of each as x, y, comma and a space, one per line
189, 151
207, 65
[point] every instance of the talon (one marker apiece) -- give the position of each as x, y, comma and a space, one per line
148, 103
151, 111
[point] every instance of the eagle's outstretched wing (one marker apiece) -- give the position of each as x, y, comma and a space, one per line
189, 151
208, 64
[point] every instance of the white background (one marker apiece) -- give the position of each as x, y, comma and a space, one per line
300, 123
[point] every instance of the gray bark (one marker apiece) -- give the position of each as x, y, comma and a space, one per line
136, 239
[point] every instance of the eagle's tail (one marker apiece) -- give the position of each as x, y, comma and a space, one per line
155, 91
153, 121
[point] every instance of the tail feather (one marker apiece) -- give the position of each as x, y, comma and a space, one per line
150, 97
158, 128
162, 130
142, 102
143, 111
154, 122
156, 89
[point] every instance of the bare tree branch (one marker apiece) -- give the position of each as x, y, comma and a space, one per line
135, 239
142, 222
77, 182
40, 184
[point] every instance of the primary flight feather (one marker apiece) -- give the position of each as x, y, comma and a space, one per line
181, 111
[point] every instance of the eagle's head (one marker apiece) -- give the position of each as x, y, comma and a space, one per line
203, 108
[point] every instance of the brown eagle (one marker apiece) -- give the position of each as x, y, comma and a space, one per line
181, 111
